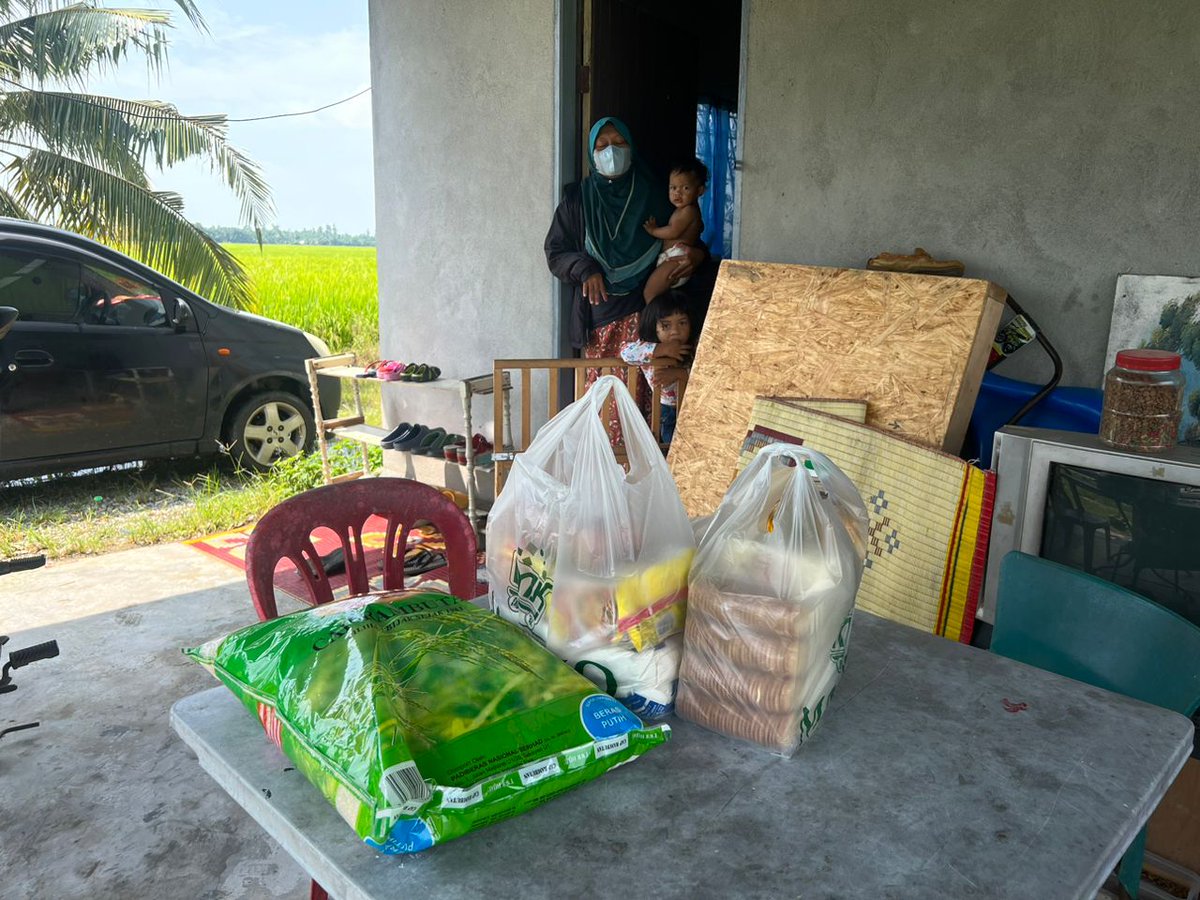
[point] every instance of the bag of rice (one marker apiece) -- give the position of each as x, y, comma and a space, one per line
421, 717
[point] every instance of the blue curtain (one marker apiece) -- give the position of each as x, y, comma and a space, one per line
716, 146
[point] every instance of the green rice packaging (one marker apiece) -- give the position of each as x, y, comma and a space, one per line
421, 717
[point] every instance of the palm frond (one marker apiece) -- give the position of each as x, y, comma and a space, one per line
13, 208
70, 42
124, 136
149, 225
192, 11
90, 129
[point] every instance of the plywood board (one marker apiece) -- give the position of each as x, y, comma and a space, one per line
913, 346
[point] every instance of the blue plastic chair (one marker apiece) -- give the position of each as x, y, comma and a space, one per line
1083, 627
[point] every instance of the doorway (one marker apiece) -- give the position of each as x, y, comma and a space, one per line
670, 69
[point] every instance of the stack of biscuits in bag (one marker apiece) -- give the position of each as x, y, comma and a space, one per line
769, 613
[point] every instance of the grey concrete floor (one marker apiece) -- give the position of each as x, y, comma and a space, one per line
103, 800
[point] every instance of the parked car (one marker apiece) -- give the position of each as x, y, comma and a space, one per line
108, 361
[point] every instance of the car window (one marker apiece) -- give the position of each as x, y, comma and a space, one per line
41, 288
117, 298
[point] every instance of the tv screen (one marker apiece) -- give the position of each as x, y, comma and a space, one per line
1140, 533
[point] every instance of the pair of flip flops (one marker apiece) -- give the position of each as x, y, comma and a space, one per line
383, 369
423, 561
483, 450
420, 372
436, 441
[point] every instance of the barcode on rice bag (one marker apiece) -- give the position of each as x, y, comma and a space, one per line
539, 771
611, 746
460, 798
404, 786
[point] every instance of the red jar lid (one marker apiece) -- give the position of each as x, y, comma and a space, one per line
1148, 360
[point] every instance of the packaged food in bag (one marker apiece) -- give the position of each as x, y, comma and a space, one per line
590, 559
771, 600
644, 681
421, 717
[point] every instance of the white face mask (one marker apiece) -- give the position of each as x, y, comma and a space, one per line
612, 161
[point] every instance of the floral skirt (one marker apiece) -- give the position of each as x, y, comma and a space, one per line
605, 343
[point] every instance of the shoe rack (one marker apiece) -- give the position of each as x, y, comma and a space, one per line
430, 470
352, 427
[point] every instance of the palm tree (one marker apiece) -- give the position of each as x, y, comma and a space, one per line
80, 161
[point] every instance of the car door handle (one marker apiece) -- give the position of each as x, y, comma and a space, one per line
31, 359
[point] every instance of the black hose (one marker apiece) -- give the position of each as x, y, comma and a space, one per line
1050, 351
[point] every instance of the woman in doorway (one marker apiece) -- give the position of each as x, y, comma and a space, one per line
597, 244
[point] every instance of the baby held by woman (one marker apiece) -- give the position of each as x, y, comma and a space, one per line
686, 187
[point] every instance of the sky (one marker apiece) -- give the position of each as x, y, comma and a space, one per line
263, 57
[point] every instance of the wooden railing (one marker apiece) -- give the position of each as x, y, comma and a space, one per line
510, 441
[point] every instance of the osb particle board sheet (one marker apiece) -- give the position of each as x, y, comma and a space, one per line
913, 346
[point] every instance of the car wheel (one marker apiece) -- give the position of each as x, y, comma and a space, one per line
269, 427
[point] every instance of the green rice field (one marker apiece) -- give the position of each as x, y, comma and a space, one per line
328, 291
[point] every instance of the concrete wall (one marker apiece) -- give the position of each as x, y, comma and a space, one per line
1050, 146
464, 143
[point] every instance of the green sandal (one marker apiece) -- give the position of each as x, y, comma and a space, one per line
431, 443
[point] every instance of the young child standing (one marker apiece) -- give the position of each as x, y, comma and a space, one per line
688, 183
664, 335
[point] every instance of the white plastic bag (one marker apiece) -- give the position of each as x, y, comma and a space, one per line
771, 600
591, 559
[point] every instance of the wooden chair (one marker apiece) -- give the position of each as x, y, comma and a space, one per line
514, 437
286, 533
1094, 631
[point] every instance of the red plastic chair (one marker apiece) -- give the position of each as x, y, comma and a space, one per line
286, 533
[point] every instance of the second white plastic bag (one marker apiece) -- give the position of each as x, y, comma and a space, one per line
591, 560
771, 600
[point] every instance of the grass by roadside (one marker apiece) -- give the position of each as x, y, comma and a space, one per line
126, 508
116, 509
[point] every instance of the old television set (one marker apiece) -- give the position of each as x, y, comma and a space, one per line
1127, 517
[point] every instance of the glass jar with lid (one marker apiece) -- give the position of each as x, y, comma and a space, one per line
1143, 400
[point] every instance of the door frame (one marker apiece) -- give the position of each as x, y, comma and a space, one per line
738, 164
567, 145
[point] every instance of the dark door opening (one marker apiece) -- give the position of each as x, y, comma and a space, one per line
670, 69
